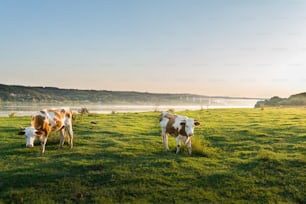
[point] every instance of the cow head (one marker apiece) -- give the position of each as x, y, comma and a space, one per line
188, 125
30, 134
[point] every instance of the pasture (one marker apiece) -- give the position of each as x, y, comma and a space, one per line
239, 156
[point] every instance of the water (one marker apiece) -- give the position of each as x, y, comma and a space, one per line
27, 109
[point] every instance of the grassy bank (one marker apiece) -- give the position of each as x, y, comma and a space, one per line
239, 156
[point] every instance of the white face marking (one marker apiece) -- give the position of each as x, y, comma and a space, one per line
30, 134
189, 127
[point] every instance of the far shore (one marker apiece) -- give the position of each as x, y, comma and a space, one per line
27, 110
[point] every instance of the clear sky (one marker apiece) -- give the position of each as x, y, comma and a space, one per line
210, 47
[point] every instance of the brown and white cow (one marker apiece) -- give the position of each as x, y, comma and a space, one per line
46, 121
178, 126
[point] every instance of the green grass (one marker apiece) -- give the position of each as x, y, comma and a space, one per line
239, 156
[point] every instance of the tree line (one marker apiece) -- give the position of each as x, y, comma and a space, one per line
15, 93
275, 101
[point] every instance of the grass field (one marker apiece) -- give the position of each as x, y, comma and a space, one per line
239, 156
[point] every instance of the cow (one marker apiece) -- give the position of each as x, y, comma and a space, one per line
178, 126
46, 121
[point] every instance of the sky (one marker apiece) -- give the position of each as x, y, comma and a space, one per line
208, 47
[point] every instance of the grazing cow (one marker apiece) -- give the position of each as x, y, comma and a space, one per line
178, 126
46, 121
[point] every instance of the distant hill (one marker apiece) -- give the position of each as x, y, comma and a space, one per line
15, 93
293, 100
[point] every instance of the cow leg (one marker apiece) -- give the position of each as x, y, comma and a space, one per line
165, 139
166, 142
70, 133
43, 142
62, 138
188, 143
178, 144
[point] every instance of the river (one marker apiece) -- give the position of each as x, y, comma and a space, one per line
25, 109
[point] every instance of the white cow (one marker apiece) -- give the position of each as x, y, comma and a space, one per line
178, 126
46, 121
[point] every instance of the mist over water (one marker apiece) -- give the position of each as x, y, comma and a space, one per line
27, 109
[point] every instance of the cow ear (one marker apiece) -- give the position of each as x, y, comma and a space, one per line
22, 132
183, 123
39, 132
197, 123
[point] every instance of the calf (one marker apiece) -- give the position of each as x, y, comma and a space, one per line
178, 126
46, 121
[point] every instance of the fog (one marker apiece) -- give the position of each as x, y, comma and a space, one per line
27, 109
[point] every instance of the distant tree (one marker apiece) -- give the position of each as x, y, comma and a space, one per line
83, 111
11, 115
171, 110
